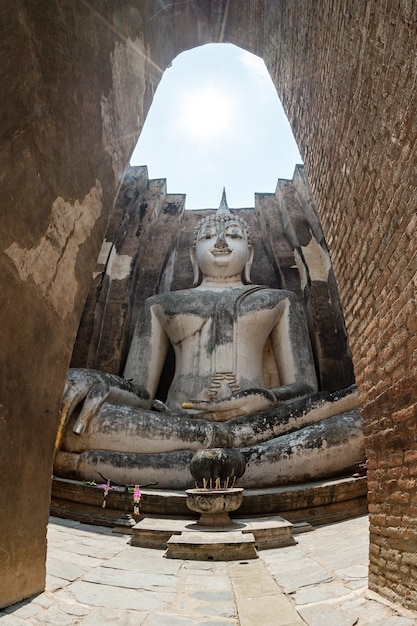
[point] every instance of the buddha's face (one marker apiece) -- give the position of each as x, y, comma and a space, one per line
222, 249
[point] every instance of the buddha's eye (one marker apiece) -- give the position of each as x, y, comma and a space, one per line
208, 234
234, 233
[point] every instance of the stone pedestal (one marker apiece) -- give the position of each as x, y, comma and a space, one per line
269, 532
212, 546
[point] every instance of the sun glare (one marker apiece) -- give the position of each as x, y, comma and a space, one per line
207, 113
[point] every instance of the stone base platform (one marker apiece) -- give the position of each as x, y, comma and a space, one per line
212, 546
268, 532
317, 503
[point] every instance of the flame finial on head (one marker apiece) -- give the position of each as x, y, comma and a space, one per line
223, 209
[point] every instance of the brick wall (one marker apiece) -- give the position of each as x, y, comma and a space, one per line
346, 72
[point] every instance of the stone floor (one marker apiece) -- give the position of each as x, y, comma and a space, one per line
94, 578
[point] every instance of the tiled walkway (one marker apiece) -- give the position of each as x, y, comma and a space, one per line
96, 578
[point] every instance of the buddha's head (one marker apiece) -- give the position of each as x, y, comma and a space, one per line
221, 248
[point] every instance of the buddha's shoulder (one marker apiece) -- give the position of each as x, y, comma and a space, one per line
194, 301
262, 293
183, 301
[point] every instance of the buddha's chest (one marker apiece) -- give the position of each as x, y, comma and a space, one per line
217, 321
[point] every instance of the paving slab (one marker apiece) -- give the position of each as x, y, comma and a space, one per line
218, 584
62, 615
92, 594
82, 549
142, 560
12, 620
354, 572
213, 609
205, 595
202, 568
54, 583
319, 593
110, 617
328, 616
368, 609
276, 610
258, 597
145, 581
23, 610
252, 580
295, 574
59, 568
86, 560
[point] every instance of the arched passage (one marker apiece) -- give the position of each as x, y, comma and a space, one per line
345, 75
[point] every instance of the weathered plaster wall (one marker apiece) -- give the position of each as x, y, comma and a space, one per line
346, 72
66, 135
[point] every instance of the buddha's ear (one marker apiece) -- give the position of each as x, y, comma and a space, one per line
196, 270
248, 266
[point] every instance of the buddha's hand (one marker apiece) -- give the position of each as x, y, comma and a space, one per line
292, 392
92, 388
240, 403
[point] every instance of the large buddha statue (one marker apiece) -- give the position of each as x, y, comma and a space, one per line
244, 379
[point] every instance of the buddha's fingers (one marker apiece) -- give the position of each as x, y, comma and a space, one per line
74, 393
77, 384
248, 401
94, 399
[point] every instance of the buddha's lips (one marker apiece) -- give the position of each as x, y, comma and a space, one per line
223, 252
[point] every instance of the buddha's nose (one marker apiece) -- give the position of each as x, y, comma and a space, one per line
220, 241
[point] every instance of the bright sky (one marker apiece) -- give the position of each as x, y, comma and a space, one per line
216, 121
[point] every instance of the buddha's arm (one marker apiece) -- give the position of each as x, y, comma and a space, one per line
293, 355
89, 389
148, 350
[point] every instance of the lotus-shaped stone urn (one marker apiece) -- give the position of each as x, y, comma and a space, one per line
214, 505
216, 470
